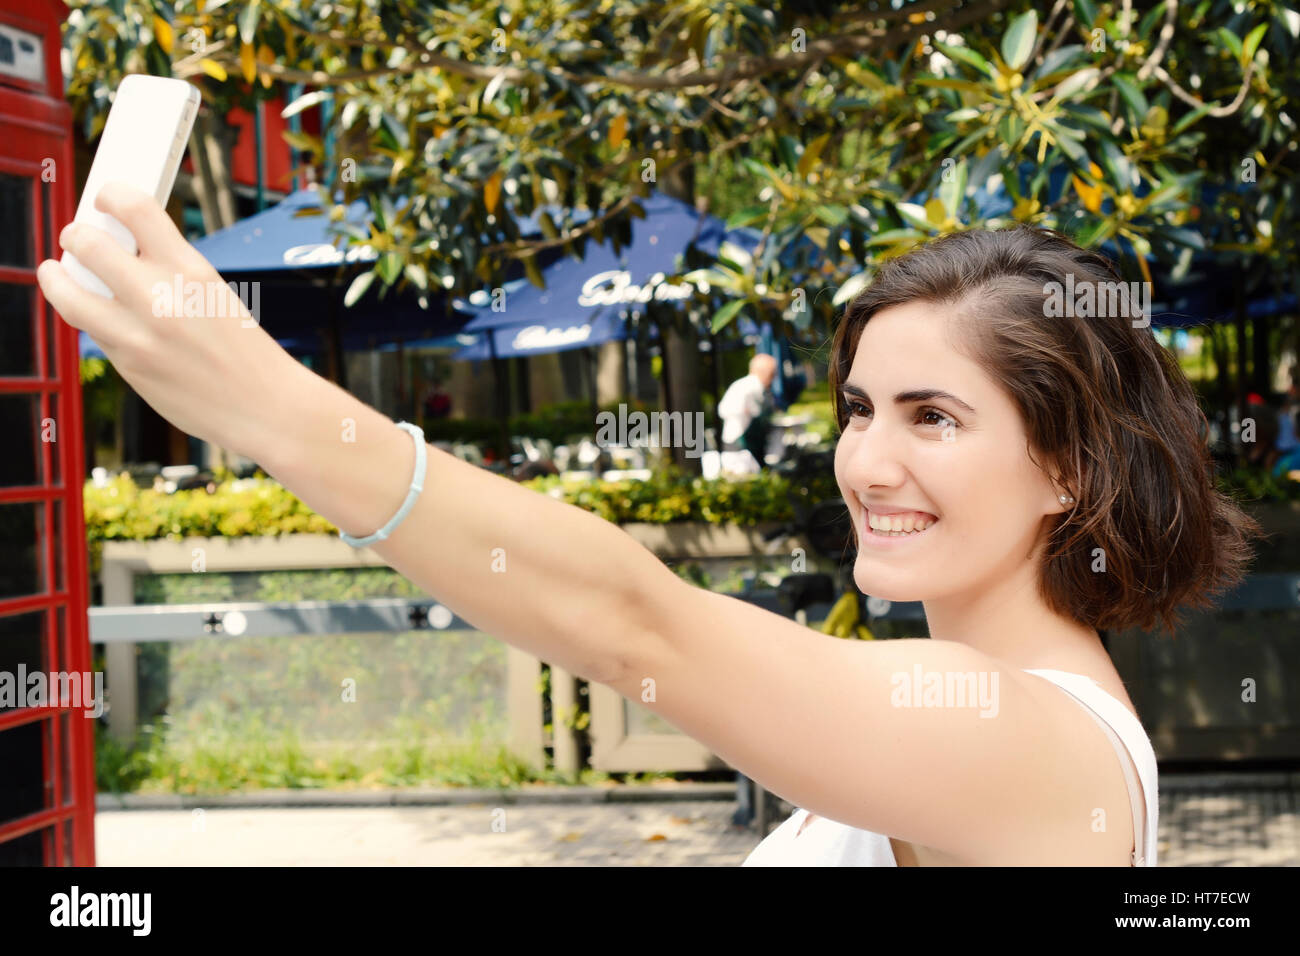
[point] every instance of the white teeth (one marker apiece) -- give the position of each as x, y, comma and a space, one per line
894, 526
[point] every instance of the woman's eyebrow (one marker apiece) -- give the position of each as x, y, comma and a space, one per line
913, 395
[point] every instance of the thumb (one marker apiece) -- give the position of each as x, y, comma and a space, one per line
80, 308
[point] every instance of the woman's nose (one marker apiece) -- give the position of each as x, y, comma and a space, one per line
874, 456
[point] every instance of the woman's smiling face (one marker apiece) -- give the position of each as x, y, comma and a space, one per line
932, 436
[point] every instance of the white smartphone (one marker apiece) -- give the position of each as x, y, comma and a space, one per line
144, 138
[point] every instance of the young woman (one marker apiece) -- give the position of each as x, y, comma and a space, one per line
1029, 477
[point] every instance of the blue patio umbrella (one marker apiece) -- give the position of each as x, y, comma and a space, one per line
537, 338
289, 235
581, 289
556, 335
587, 302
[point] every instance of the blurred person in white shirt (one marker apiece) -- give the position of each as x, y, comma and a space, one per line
745, 409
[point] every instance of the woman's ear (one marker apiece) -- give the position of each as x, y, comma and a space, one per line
1063, 498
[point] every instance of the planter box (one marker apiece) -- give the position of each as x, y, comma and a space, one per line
123, 560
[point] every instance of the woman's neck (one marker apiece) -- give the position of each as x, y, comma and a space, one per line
1006, 618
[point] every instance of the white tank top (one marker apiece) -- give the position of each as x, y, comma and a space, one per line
827, 843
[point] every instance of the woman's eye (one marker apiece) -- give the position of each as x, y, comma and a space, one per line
857, 410
944, 421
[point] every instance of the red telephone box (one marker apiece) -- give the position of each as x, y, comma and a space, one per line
47, 784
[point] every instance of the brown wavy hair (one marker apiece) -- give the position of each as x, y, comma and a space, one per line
1102, 400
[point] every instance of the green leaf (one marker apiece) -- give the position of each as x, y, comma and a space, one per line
1018, 41
986, 166
892, 236
1128, 89
1170, 194
914, 215
397, 131
534, 274
1149, 21
1191, 118
863, 76
964, 54
964, 145
953, 189
248, 21
1230, 40
747, 216
811, 154
1157, 118
1095, 233
1183, 237
308, 100
304, 141
832, 215
851, 288
1252, 43
493, 87
358, 288
347, 228
1088, 116
847, 104
790, 150
726, 314
417, 275
948, 83
1079, 80
1117, 165
1069, 144
389, 267
730, 264
1059, 59
1085, 11
1010, 129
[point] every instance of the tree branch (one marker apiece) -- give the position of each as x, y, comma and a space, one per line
1162, 45
1215, 111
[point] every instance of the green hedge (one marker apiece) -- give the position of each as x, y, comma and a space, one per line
1256, 484
121, 511
671, 496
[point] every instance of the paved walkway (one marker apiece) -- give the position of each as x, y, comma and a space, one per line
1205, 820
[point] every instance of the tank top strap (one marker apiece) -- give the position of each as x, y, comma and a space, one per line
1130, 739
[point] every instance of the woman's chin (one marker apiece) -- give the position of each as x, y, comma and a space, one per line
886, 586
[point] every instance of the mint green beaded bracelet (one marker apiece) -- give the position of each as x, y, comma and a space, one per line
417, 485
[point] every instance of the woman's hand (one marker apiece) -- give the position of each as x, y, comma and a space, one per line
200, 359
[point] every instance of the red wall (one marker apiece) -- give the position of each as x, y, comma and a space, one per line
279, 156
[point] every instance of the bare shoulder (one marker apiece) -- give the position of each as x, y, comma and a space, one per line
1091, 794
931, 742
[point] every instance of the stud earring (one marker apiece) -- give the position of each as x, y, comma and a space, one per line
1065, 499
